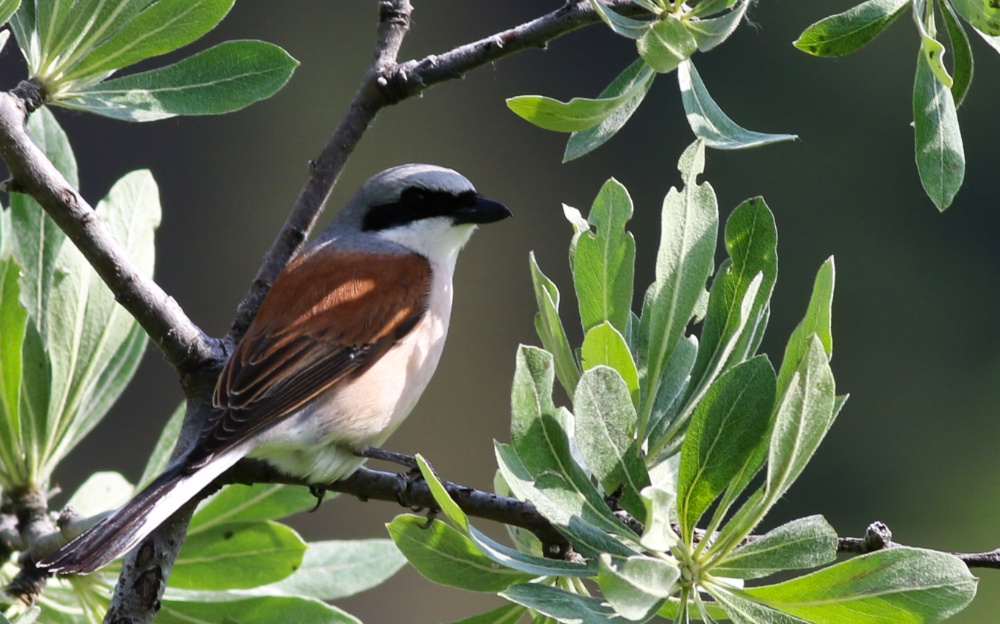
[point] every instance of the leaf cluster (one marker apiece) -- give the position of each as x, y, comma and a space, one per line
937, 92
75, 48
676, 446
665, 42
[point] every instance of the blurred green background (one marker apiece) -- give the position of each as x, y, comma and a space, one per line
915, 335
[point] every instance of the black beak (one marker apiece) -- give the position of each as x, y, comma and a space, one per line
482, 210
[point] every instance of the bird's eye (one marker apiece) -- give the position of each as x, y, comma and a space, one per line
417, 197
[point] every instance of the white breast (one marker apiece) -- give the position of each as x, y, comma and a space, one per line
321, 440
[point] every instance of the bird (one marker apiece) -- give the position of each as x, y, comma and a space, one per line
338, 354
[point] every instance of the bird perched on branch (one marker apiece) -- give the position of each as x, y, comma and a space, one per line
341, 349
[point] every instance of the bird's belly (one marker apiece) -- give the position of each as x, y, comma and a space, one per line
321, 441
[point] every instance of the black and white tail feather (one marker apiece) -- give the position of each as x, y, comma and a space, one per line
124, 529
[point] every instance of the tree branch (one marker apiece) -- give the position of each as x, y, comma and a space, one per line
185, 346
367, 484
31, 509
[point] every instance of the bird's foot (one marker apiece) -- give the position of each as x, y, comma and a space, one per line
402, 459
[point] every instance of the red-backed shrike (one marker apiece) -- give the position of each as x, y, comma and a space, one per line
341, 349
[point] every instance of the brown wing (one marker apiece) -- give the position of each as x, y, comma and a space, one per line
322, 321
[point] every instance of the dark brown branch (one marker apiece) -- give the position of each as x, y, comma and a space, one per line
367, 484
185, 346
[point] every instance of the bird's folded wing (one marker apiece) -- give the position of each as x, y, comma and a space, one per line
328, 316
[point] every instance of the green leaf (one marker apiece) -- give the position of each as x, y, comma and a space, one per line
604, 346
982, 14
444, 555
803, 417
933, 50
712, 31
671, 609
728, 424
509, 614
23, 25
624, 26
530, 400
542, 446
899, 584
637, 586
674, 381
582, 516
962, 50
261, 501
803, 543
709, 123
938, 138
101, 492
49, 18
604, 263
89, 22
562, 605
441, 496
37, 238
161, 27
580, 225
160, 457
13, 324
743, 611
237, 555
37, 248
739, 298
7, 10
666, 43
36, 377
638, 74
94, 344
659, 534
605, 420
222, 79
583, 113
992, 40
550, 328
817, 321
259, 610
524, 562
503, 555
689, 226
330, 570
846, 32
711, 7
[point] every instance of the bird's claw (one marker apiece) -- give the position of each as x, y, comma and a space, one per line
320, 493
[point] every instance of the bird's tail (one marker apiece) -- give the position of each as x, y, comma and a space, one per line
126, 528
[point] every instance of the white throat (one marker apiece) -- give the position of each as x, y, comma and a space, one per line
437, 239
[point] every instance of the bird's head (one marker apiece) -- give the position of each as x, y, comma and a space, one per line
427, 209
